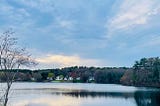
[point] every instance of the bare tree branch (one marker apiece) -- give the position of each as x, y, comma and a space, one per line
11, 57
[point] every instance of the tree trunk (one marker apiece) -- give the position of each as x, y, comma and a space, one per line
6, 96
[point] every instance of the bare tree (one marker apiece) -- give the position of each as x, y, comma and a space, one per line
12, 57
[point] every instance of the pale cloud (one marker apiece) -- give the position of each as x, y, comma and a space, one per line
13, 17
66, 61
66, 24
121, 46
144, 45
61, 22
153, 41
41, 5
131, 13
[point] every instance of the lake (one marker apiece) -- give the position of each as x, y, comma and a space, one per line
79, 94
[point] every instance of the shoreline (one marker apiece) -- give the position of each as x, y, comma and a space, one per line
146, 86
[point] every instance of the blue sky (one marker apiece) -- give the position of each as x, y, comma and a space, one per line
61, 33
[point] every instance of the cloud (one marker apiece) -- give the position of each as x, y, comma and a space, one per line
11, 14
153, 41
66, 61
13, 17
66, 24
131, 13
41, 5
146, 46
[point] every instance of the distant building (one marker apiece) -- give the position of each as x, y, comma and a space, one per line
59, 78
78, 78
65, 79
70, 78
49, 78
32, 79
91, 78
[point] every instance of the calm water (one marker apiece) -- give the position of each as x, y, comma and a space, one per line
75, 94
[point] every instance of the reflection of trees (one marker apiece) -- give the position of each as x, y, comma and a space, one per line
86, 94
142, 98
147, 98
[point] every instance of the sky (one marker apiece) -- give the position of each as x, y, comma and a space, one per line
102, 33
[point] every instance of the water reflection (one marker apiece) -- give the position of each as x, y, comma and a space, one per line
147, 98
86, 94
142, 98
33, 94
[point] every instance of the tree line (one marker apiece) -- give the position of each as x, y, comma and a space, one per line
71, 74
145, 72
